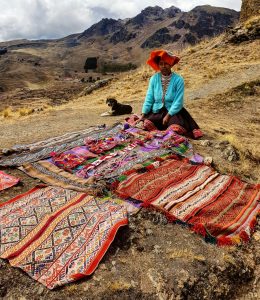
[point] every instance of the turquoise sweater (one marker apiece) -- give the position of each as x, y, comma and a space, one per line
173, 98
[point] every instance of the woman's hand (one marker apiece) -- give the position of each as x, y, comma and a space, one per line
166, 119
142, 118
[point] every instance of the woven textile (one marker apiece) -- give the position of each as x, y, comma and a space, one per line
56, 235
59, 147
136, 146
51, 174
222, 208
7, 181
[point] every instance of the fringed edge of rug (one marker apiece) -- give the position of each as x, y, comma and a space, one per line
243, 236
201, 229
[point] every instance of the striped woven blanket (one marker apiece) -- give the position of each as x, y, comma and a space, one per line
7, 181
56, 235
222, 208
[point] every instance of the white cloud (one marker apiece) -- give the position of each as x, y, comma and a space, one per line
37, 19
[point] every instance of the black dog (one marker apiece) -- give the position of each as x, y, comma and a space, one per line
118, 108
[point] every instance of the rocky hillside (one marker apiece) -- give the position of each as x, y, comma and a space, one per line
153, 27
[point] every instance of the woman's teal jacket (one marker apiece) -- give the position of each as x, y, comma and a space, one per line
173, 99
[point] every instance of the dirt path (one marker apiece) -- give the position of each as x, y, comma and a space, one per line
225, 82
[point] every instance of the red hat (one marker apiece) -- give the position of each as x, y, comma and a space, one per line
166, 56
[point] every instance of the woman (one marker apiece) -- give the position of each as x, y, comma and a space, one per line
163, 105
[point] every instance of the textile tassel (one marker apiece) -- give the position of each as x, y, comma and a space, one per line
253, 224
170, 217
224, 241
236, 240
114, 185
150, 167
199, 228
244, 236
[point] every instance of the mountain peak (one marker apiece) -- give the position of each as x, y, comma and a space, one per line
172, 11
103, 27
211, 9
152, 11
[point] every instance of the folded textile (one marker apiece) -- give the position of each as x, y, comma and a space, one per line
51, 174
222, 208
56, 235
7, 181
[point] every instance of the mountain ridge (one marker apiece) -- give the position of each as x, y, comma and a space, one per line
118, 41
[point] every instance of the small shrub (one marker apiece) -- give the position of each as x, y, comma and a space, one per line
7, 112
25, 111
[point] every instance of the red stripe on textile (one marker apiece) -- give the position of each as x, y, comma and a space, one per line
174, 181
102, 251
40, 232
23, 195
209, 203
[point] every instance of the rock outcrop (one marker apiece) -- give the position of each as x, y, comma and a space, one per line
241, 33
188, 28
249, 8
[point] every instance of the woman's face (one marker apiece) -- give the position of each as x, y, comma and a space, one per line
164, 68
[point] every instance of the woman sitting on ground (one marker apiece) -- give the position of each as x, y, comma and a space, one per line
163, 105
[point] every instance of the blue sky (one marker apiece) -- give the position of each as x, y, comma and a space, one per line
39, 19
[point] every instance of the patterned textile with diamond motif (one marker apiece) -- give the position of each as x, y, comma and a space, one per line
220, 207
57, 235
7, 181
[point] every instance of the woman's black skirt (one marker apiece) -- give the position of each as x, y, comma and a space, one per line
182, 122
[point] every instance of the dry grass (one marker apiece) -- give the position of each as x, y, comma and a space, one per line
119, 285
252, 22
185, 254
25, 111
7, 112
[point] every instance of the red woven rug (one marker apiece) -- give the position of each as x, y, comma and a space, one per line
7, 181
221, 207
56, 235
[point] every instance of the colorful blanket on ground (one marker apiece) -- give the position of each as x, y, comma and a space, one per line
39, 153
7, 181
56, 235
222, 208
57, 140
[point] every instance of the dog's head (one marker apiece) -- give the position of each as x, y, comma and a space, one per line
111, 102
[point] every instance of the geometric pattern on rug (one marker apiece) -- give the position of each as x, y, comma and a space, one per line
69, 238
7, 181
20, 215
222, 208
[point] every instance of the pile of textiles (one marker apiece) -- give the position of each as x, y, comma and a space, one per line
105, 157
7, 181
